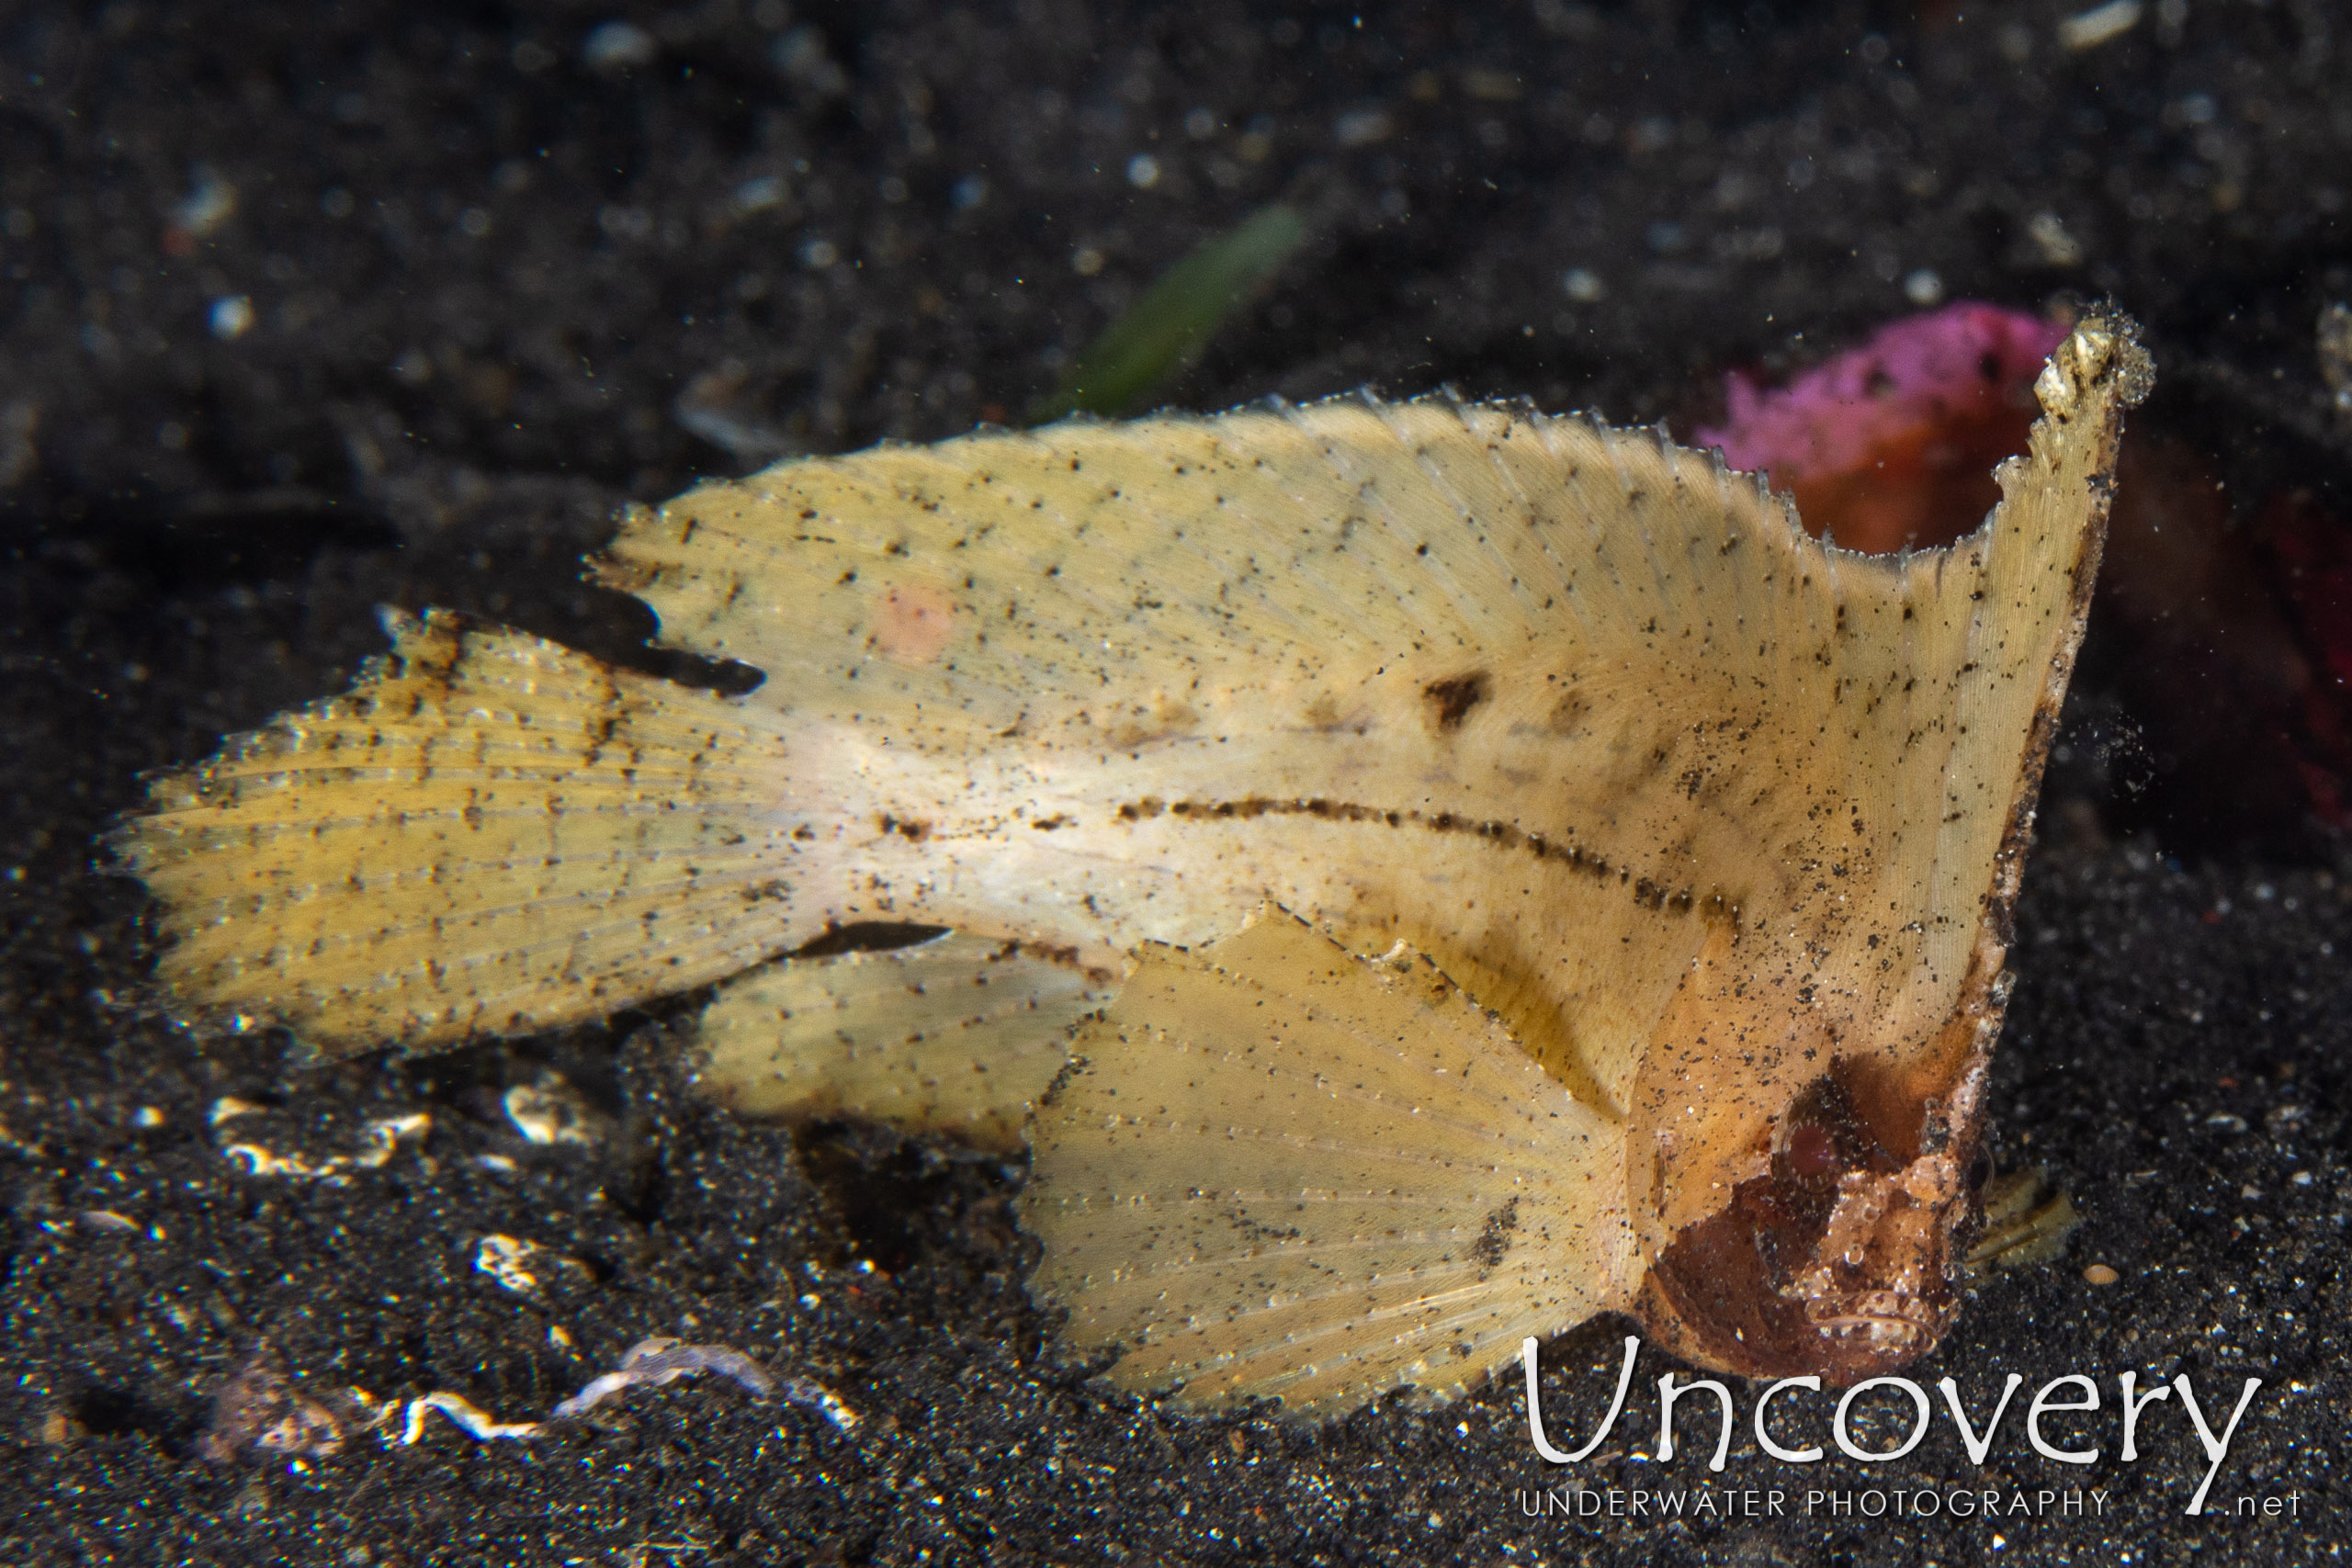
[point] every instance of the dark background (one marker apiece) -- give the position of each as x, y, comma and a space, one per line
314, 308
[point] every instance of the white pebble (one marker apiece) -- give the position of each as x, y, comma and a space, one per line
619, 46
232, 317
2099, 25
1583, 285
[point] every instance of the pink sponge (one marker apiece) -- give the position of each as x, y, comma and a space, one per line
1958, 364
1894, 442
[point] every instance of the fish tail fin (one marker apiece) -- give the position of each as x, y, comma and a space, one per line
487, 834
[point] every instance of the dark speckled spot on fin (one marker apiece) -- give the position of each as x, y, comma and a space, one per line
1452, 699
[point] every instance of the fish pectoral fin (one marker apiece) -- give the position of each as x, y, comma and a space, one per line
1279, 1170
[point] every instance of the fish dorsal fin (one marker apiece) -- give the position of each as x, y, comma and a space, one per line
1547, 699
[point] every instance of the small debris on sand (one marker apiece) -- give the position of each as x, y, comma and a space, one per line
261, 1413
647, 1364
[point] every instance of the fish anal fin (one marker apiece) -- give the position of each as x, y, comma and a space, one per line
958, 1035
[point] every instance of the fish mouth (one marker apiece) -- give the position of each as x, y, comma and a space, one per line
1887, 1315
1888, 1329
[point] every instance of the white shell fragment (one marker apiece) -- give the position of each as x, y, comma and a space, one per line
552, 1112
381, 1139
2336, 358
2101, 24
507, 1260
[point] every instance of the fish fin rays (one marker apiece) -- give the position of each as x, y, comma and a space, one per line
1279, 1170
487, 834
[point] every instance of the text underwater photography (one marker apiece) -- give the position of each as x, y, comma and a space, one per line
903, 783
1893, 1500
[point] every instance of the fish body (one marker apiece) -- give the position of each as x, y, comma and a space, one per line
1420, 874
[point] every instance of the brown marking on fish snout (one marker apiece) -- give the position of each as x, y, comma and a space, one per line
1840, 1259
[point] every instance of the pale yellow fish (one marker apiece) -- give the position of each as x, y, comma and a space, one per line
1529, 806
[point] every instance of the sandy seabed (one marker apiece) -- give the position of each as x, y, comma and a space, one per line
316, 308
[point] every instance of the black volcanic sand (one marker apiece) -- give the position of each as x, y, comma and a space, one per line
491, 291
